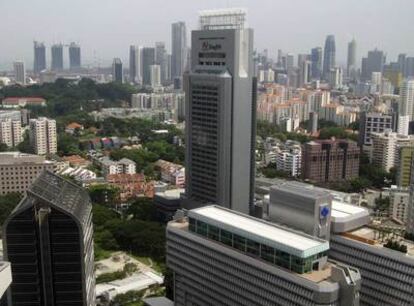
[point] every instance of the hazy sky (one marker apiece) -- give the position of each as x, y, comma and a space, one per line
106, 28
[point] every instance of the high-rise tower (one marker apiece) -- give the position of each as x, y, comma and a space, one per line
117, 71
148, 59
220, 113
329, 56
39, 62
351, 59
406, 105
179, 48
316, 59
74, 56
57, 57
48, 239
19, 72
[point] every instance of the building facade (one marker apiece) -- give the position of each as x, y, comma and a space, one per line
19, 170
117, 71
373, 123
39, 62
48, 239
330, 160
57, 57
11, 132
220, 113
19, 72
179, 49
329, 56
74, 56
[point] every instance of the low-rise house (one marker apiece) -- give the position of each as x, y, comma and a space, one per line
171, 173
131, 185
72, 127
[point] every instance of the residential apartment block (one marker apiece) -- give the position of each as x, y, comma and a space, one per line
171, 173
43, 135
11, 132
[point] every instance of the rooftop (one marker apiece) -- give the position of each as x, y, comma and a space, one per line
7, 158
231, 18
346, 217
282, 238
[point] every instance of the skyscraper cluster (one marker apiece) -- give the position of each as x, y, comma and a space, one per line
57, 57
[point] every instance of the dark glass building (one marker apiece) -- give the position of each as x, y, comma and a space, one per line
48, 241
74, 56
39, 57
329, 56
57, 57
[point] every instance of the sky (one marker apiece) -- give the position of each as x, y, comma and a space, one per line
106, 28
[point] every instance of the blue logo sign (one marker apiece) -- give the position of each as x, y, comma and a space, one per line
325, 211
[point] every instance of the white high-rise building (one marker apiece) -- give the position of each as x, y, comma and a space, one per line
155, 71
406, 106
10, 132
376, 81
43, 135
403, 125
135, 64
19, 72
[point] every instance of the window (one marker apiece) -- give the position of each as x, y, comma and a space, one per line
226, 237
201, 228
192, 225
213, 232
253, 248
239, 243
267, 253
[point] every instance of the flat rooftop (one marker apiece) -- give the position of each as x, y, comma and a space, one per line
7, 158
282, 238
371, 236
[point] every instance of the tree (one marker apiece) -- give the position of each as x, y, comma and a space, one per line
104, 194
142, 209
7, 203
68, 144
3, 147
25, 146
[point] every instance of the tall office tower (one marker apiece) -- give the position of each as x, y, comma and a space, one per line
148, 59
43, 136
133, 63
222, 257
373, 123
406, 105
329, 56
168, 63
410, 221
48, 239
316, 58
74, 56
374, 62
161, 60
401, 62
409, 67
279, 57
335, 78
220, 113
39, 62
117, 70
57, 57
305, 73
19, 72
155, 71
302, 58
403, 125
351, 59
178, 49
290, 62
330, 160
11, 132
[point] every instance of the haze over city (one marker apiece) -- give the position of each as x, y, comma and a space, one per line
106, 28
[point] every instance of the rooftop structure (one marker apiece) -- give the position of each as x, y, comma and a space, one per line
234, 18
14, 102
345, 217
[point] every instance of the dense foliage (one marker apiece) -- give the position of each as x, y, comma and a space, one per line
7, 203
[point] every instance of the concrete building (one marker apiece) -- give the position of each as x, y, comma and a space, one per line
39, 62
289, 158
374, 62
335, 78
223, 257
43, 135
19, 72
122, 166
313, 123
74, 56
167, 203
329, 56
19, 170
399, 203
220, 113
155, 71
57, 57
406, 105
179, 49
316, 59
404, 161
330, 160
373, 123
117, 71
351, 59
11, 132
403, 125
171, 173
48, 239
385, 148
161, 59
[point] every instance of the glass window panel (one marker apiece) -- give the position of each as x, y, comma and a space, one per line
267, 253
213, 232
239, 242
226, 237
192, 226
253, 248
201, 228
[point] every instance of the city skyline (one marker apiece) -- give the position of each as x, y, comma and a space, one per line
102, 37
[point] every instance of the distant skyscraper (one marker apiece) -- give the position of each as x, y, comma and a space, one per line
406, 105
290, 62
401, 62
329, 56
148, 59
155, 71
57, 57
220, 113
39, 57
117, 71
316, 58
134, 64
43, 135
374, 62
351, 59
161, 60
19, 72
48, 239
179, 48
74, 56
